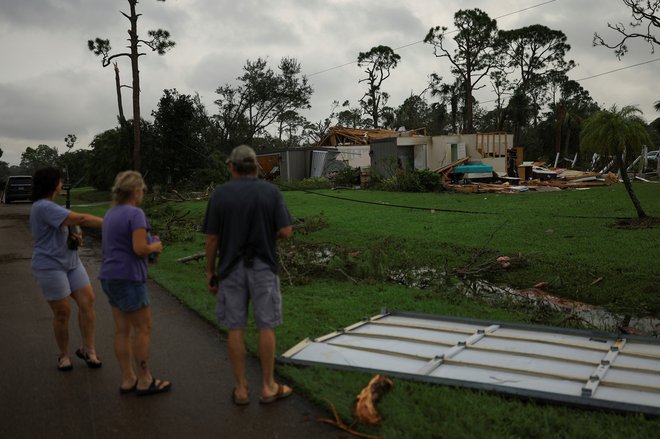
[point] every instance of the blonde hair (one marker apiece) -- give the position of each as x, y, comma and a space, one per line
126, 183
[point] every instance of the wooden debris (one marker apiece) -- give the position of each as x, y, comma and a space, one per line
596, 281
448, 167
181, 197
477, 188
365, 403
192, 257
572, 174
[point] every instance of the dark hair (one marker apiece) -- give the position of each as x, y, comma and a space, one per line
44, 182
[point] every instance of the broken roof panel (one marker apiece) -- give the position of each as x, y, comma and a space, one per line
356, 136
585, 368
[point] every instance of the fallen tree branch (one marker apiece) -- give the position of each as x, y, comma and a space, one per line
287, 271
346, 274
181, 197
337, 422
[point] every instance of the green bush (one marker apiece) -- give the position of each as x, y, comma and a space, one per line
412, 181
428, 180
347, 177
305, 184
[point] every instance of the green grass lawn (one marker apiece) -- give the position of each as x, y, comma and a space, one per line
87, 199
566, 237
563, 238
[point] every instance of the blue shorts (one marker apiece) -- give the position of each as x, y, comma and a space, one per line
126, 295
58, 284
257, 284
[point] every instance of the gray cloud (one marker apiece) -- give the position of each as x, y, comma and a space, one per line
52, 85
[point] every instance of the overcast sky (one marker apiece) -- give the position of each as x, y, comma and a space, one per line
52, 85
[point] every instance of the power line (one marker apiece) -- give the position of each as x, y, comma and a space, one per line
400, 206
427, 209
597, 75
380, 204
421, 41
617, 70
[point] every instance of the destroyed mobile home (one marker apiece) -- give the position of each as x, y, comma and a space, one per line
473, 163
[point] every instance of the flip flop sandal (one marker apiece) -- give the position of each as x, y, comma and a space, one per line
280, 394
64, 368
155, 387
238, 401
92, 364
123, 391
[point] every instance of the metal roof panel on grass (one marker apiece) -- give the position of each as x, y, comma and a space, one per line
586, 368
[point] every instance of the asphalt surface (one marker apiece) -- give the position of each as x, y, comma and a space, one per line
38, 401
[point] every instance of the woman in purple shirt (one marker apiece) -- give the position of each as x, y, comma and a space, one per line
57, 267
126, 247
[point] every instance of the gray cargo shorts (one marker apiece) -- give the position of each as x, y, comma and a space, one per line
256, 284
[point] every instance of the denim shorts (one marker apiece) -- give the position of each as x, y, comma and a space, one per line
126, 295
58, 284
256, 284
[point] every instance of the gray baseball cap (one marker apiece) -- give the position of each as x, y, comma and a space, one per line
242, 154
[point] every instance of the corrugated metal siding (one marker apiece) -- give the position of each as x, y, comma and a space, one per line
318, 163
383, 157
295, 165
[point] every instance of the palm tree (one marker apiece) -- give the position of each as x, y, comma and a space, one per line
619, 133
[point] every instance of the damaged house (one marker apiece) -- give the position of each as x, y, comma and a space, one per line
386, 152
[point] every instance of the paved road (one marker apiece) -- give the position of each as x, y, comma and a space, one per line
38, 401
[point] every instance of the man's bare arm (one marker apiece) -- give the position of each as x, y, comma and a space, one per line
211, 248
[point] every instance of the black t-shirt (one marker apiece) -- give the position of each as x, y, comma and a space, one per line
246, 214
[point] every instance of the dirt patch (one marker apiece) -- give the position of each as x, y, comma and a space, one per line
638, 223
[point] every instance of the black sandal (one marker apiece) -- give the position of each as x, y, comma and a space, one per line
156, 386
124, 391
92, 364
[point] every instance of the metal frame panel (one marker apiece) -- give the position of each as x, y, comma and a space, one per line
577, 367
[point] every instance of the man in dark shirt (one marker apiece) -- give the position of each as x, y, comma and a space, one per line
244, 218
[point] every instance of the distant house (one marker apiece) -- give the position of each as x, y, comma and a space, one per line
386, 152
355, 144
402, 153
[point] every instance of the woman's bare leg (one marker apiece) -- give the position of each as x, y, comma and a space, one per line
61, 313
84, 297
122, 345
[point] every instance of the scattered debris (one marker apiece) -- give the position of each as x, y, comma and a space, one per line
637, 177
589, 316
638, 223
446, 169
531, 176
365, 403
505, 261
421, 277
364, 410
596, 281
194, 257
